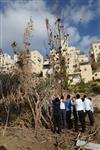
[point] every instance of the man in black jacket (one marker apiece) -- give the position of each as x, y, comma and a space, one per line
56, 115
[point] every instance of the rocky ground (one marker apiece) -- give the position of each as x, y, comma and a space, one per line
27, 139
17, 138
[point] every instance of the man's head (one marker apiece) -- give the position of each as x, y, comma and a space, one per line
62, 97
73, 98
56, 99
84, 96
68, 96
77, 96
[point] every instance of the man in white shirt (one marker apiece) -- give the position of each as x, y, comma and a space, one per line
89, 109
75, 115
80, 110
63, 112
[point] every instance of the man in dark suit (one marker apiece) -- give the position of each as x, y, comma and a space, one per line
56, 115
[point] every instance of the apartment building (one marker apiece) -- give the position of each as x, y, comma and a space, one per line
6, 63
77, 64
46, 67
86, 72
95, 51
74, 78
83, 58
71, 59
37, 62
5, 59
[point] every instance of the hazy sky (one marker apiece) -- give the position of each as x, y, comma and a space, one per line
81, 20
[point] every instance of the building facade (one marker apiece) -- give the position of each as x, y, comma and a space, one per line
95, 51
83, 58
37, 62
77, 64
6, 63
86, 72
46, 67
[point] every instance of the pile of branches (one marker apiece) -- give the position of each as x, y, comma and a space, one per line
24, 92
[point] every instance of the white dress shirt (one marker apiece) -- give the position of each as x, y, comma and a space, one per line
79, 104
88, 105
62, 104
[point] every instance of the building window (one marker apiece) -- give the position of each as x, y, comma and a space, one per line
96, 74
95, 46
39, 59
99, 46
75, 66
85, 69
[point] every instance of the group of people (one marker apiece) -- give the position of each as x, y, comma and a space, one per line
64, 107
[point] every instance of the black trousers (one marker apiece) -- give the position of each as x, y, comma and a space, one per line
75, 124
68, 119
57, 122
81, 116
91, 117
63, 118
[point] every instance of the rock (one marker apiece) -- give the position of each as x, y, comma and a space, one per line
96, 102
88, 145
96, 109
2, 148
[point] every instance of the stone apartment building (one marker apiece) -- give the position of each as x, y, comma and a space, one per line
95, 56
77, 64
46, 67
37, 62
95, 50
86, 72
6, 63
85, 67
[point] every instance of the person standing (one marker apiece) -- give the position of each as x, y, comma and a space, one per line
75, 115
68, 112
89, 110
80, 110
63, 112
91, 105
56, 115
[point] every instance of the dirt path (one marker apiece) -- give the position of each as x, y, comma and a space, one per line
44, 139
27, 139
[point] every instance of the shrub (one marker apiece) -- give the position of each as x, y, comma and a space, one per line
82, 86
